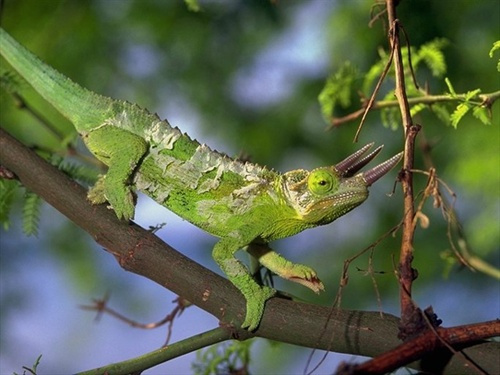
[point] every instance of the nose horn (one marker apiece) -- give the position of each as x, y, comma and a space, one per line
375, 173
353, 163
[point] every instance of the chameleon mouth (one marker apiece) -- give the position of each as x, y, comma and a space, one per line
353, 163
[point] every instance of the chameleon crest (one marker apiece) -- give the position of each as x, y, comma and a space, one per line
244, 204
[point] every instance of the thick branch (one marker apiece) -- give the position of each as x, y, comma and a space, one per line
428, 341
141, 252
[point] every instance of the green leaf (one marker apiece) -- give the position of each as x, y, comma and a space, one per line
225, 358
193, 5
417, 108
31, 213
7, 192
431, 53
496, 46
472, 94
482, 114
441, 113
337, 90
374, 72
451, 90
82, 173
459, 112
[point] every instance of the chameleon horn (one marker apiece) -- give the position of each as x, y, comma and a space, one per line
356, 161
375, 173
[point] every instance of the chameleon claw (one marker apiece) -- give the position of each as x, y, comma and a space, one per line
314, 283
255, 306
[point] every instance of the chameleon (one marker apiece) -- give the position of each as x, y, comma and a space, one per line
244, 204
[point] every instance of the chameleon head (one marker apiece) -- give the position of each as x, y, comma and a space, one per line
324, 194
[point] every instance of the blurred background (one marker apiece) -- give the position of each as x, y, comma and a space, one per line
243, 76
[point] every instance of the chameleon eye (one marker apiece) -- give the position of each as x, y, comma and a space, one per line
321, 182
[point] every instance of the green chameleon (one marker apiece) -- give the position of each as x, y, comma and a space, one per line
244, 204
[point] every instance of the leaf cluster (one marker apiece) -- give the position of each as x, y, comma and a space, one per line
423, 63
227, 358
31, 202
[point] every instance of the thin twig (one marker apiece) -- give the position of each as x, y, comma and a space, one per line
485, 100
406, 273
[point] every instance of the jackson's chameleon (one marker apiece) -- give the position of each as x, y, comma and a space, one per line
244, 204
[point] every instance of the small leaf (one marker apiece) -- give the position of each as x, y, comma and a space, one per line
482, 115
337, 90
7, 191
441, 112
417, 108
496, 45
31, 213
193, 5
472, 94
433, 56
451, 90
459, 112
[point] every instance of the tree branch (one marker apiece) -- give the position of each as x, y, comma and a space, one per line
431, 341
410, 315
140, 251
143, 253
164, 354
487, 100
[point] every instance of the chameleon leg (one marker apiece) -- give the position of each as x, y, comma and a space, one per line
284, 268
121, 151
255, 294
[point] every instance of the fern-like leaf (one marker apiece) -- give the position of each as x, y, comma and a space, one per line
496, 46
7, 192
417, 108
31, 213
451, 89
459, 113
482, 114
337, 90
431, 53
441, 113
374, 73
81, 173
472, 94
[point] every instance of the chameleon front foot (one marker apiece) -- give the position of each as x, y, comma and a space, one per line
256, 300
119, 197
285, 269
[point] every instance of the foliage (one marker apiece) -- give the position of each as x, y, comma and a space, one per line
338, 89
7, 191
225, 358
496, 46
341, 85
33, 369
31, 213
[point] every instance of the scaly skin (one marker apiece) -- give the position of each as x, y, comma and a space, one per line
244, 204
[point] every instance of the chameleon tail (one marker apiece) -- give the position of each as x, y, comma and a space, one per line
82, 107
